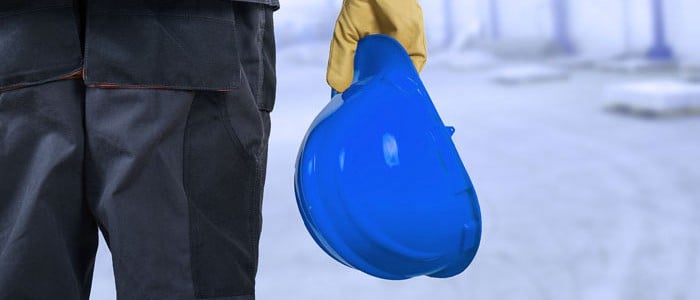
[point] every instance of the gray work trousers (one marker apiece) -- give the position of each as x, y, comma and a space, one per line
173, 179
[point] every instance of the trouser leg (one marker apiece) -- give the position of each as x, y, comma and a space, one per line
175, 179
256, 48
134, 184
47, 235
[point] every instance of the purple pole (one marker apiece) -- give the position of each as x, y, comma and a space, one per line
659, 49
449, 22
494, 19
560, 14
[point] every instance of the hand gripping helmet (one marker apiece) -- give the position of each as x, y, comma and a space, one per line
379, 183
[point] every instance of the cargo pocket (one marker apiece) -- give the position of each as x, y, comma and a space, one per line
223, 184
39, 42
255, 38
177, 44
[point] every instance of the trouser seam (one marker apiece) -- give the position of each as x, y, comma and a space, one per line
261, 60
192, 229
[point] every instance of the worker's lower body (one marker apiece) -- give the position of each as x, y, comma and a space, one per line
173, 178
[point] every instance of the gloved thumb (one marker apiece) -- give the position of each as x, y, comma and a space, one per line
342, 55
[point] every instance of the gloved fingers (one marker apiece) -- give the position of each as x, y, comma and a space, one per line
403, 20
400, 19
342, 54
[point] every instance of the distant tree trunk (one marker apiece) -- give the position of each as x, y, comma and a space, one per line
449, 23
560, 16
626, 28
494, 20
659, 49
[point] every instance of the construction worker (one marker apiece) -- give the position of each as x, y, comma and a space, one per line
147, 119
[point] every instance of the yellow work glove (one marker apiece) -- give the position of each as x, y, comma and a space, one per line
400, 19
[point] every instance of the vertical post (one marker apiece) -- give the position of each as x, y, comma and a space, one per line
626, 28
659, 49
449, 23
560, 17
494, 20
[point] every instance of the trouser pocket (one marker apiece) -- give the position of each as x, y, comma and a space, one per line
175, 44
256, 43
39, 42
223, 181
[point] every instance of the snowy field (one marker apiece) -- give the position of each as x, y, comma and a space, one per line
577, 202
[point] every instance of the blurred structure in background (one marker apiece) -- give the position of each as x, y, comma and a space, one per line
527, 41
598, 29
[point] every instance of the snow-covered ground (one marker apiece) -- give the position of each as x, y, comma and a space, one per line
577, 202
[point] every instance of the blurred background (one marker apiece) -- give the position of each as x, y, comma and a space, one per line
578, 121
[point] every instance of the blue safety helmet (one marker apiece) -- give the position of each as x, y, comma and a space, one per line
379, 183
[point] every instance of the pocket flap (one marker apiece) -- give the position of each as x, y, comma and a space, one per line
167, 46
